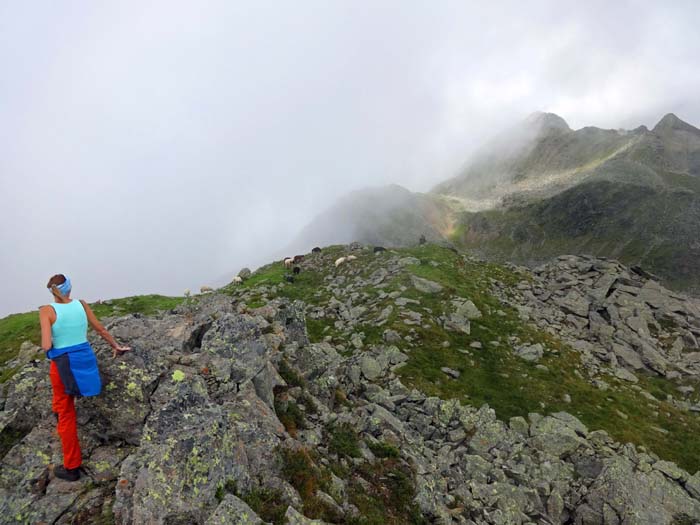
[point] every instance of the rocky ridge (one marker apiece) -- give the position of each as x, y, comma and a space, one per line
619, 319
285, 402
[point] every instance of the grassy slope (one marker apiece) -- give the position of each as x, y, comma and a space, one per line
636, 224
493, 374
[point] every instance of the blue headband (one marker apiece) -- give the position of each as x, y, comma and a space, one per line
65, 287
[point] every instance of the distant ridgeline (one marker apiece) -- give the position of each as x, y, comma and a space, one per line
542, 189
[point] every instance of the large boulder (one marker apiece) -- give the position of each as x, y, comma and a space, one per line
623, 494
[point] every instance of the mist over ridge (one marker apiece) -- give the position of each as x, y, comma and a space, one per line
159, 152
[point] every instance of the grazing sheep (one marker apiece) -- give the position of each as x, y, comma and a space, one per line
378, 249
316, 250
289, 278
340, 261
187, 292
206, 289
351, 258
298, 259
288, 262
296, 270
237, 280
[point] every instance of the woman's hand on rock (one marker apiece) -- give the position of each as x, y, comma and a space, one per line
119, 350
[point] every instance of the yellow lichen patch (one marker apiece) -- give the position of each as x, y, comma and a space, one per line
43, 456
134, 391
178, 376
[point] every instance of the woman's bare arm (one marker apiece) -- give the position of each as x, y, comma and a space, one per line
45, 315
97, 326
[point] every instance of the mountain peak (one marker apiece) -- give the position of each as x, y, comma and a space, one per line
546, 123
672, 122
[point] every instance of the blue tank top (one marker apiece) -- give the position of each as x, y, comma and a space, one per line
71, 323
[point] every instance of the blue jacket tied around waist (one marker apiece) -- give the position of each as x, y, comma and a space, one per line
77, 367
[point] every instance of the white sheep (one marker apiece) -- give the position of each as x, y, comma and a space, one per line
187, 292
340, 261
288, 262
237, 280
350, 258
206, 289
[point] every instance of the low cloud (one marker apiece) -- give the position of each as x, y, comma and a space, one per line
154, 147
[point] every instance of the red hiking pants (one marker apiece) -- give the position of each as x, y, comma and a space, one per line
64, 407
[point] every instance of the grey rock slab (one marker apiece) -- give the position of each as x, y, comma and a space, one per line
574, 303
622, 490
639, 325
317, 359
572, 422
554, 436
692, 485
371, 368
652, 358
189, 448
457, 323
233, 511
382, 418
378, 276
425, 285
625, 375
294, 517
265, 382
450, 372
408, 261
519, 425
671, 470
627, 355
239, 340
466, 308
28, 351
391, 336
403, 301
530, 352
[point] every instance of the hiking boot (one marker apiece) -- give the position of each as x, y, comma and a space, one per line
69, 474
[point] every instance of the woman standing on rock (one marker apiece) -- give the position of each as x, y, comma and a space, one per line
73, 370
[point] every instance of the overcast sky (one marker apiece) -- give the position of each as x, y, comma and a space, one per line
153, 146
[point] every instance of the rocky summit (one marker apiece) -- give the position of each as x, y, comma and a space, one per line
416, 385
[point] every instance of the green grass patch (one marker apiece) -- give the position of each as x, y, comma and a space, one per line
290, 416
384, 450
7, 373
300, 469
390, 500
138, 304
318, 329
268, 504
14, 330
290, 376
343, 440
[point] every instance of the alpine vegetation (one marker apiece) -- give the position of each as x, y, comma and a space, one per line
411, 385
